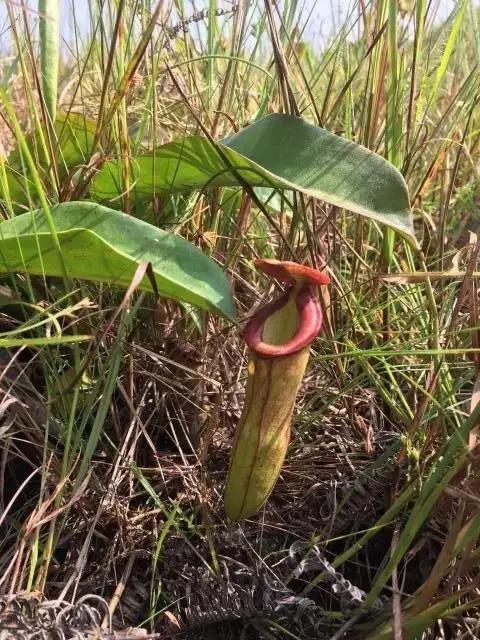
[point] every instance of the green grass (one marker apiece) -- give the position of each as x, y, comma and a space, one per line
117, 414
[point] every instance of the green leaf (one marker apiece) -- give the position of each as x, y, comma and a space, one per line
279, 151
49, 52
414, 626
75, 135
8, 343
72, 147
104, 245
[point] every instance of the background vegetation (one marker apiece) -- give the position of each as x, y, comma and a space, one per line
115, 449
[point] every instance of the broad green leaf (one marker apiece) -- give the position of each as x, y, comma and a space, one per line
72, 148
49, 52
105, 245
279, 151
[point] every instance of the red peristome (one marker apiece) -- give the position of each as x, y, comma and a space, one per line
310, 323
291, 272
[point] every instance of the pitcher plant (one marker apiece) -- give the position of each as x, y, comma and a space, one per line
278, 335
